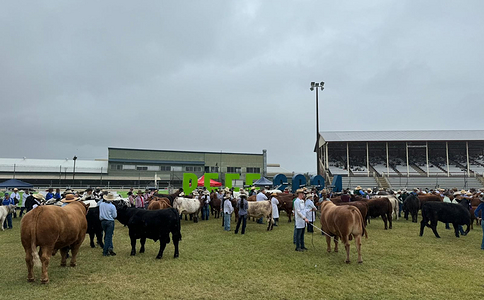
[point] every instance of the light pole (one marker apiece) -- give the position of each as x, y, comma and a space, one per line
316, 85
74, 171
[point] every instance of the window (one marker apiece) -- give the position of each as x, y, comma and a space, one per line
253, 170
197, 169
176, 169
234, 169
214, 169
153, 168
165, 168
116, 167
141, 168
129, 167
189, 169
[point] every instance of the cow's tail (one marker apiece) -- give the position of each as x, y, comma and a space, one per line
33, 237
363, 228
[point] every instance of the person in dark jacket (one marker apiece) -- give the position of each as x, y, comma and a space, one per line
480, 209
243, 206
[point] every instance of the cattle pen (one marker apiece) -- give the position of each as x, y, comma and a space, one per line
398, 264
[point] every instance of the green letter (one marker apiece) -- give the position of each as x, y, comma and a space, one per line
229, 177
249, 178
189, 179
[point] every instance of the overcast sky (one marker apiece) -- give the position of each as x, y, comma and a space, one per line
79, 77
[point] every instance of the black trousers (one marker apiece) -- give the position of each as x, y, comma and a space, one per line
242, 219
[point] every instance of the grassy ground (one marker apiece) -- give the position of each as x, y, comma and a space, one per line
398, 264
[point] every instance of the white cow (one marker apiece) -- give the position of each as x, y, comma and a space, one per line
187, 206
261, 209
4, 211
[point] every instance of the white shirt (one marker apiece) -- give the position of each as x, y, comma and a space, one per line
228, 206
447, 199
275, 210
261, 197
299, 213
24, 199
14, 196
309, 206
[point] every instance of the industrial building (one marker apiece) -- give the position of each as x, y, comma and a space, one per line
132, 167
400, 159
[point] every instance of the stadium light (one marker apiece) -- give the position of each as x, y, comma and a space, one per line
317, 85
74, 171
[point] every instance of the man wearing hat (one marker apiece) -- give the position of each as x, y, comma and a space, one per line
107, 214
300, 219
68, 199
140, 200
261, 196
252, 191
228, 210
275, 209
15, 196
6, 202
206, 205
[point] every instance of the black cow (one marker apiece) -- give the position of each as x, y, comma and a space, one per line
151, 224
380, 207
457, 214
411, 205
94, 227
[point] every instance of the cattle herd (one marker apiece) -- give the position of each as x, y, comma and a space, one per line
343, 216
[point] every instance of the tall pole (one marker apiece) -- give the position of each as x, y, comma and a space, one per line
408, 167
427, 157
367, 160
447, 157
317, 134
388, 166
467, 155
74, 171
317, 85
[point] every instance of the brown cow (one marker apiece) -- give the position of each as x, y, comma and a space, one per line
215, 204
285, 203
159, 203
344, 222
362, 207
52, 228
380, 207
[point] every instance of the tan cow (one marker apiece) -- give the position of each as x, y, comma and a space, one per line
344, 222
159, 203
52, 228
261, 209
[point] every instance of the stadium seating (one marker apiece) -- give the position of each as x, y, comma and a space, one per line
433, 182
365, 182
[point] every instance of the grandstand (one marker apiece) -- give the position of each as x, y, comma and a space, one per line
399, 159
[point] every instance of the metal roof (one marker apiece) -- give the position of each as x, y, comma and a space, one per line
402, 136
52, 165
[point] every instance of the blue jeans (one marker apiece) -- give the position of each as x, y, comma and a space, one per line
9, 221
294, 236
108, 228
242, 219
400, 208
300, 238
482, 244
205, 212
226, 221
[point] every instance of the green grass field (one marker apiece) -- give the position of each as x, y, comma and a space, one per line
213, 264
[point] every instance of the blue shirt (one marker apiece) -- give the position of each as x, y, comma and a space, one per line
8, 201
478, 209
57, 196
107, 211
49, 196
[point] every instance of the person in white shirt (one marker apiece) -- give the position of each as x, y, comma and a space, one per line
275, 209
310, 211
261, 196
205, 205
15, 196
24, 200
228, 210
300, 219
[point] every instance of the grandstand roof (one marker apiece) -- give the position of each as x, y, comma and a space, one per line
52, 165
402, 136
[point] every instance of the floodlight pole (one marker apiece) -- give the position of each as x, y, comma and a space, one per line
317, 85
74, 171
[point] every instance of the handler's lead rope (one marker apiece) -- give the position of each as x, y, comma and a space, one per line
322, 231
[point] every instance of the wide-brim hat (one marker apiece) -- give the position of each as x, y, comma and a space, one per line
206, 192
299, 191
39, 197
252, 188
243, 195
463, 192
358, 188
15, 189
468, 194
139, 192
274, 194
399, 191
69, 198
369, 189
227, 196
227, 189
109, 197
